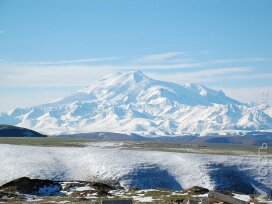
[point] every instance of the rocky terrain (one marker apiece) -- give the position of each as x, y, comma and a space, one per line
24, 190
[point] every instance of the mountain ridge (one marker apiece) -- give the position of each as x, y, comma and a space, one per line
13, 131
131, 102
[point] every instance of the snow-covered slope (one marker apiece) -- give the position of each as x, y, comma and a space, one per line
134, 103
132, 168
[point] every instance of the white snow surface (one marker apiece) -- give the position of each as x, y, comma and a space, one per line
83, 188
113, 164
242, 197
131, 102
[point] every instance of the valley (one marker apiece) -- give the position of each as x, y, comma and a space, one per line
179, 147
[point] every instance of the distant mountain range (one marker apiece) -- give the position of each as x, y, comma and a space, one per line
131, 102
13, 131
249, 139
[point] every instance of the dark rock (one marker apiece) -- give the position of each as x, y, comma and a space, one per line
205, 201
197, 190
5, 197
26, 185
117, 202
101, 186
177, 201
83, 193
217, 197
190, 201
101, 189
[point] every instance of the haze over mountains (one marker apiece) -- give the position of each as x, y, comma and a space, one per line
131, 102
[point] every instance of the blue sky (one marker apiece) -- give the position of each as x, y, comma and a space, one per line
51, 48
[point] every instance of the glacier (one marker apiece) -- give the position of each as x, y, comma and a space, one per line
132, 102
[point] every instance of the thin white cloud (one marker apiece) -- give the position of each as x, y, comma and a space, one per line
76, 73
222, 71
253, 76
64, 62
156, 58
206, 75
168, 60
204, 52
171, 60
166, 66
169, 56
51, 76
253, 59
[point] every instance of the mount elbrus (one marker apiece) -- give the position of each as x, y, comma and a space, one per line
131, 102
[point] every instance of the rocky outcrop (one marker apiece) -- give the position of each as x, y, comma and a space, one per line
81, 188
41, 187
216, 197
13, 131
26, 185
197, 190
18, 191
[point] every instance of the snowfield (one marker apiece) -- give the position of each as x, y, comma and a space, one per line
131, 102
142, 169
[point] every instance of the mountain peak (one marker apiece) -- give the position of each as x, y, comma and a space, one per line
121, 78
135, 73
136, 76
131, 102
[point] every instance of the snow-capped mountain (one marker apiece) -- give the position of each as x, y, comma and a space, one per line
134, 103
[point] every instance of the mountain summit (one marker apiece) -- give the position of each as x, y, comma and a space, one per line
131, 102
